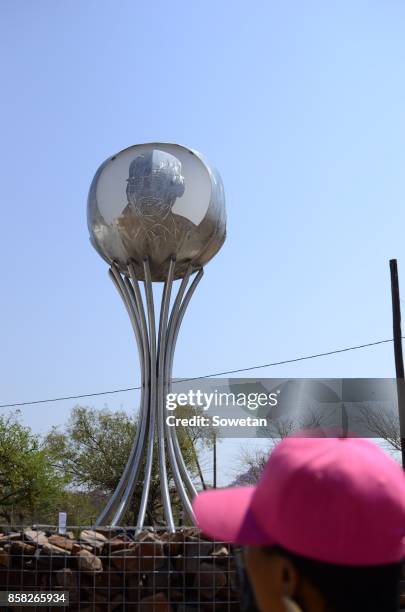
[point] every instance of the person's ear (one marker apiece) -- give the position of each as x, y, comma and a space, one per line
290, 577
290, 584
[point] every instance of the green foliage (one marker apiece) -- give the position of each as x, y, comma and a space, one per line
28, 483
76, 468
93, 450
82, 507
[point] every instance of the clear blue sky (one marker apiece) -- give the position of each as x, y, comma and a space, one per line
300, 105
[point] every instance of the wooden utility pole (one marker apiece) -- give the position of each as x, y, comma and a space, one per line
399, 359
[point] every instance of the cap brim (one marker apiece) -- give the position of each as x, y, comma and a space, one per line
226, 515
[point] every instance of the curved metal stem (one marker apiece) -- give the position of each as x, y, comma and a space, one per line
179, 469
174, 334
164, 486
156, 360
152, 402
138, 441
143, 421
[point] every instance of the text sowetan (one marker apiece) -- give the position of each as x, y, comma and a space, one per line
215, 421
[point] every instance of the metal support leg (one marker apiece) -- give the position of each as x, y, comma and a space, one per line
156, 361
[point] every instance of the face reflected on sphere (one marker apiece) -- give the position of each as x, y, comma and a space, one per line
155, 182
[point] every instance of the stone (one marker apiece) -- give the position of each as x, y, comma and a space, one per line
220, 553
151, 553
61, 542
53, 550
145, 556
103, 580
154, 603
227, 594
4, 558
75, 548
12, 579
51, 558
195, 551
100, 595
87, 562
160, 579
108, 532
19, 548
121, 538
149, 534
173, 543
179, 563
192, 532
115, 545
117, 600
66, 578
44, 582
133, 594
36, 537
10, 537
176, 596
126, 560
233, 578
209, 580
198, 548
92, 538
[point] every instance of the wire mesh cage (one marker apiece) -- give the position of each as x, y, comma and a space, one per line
118, 569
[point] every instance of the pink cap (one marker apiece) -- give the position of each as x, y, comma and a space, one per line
337, 500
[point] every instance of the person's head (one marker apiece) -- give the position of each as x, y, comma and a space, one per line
154, 183
323, 530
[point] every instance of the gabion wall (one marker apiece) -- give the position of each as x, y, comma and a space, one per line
114, 569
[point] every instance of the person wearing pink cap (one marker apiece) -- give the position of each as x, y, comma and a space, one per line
322, 531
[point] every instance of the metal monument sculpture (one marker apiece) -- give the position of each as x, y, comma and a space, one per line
156, 212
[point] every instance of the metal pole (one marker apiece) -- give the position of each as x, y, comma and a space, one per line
134, 463
176, 319
399, 360
138, 444
176, 327
156, 361
161, 404
152, 404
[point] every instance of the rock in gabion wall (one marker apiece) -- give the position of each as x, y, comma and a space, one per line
108, 569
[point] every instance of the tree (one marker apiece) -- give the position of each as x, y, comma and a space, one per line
199, 437
29, 485
381, 421
252, 462
92, 449
92, 452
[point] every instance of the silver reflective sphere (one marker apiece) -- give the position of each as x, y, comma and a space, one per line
158, 201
